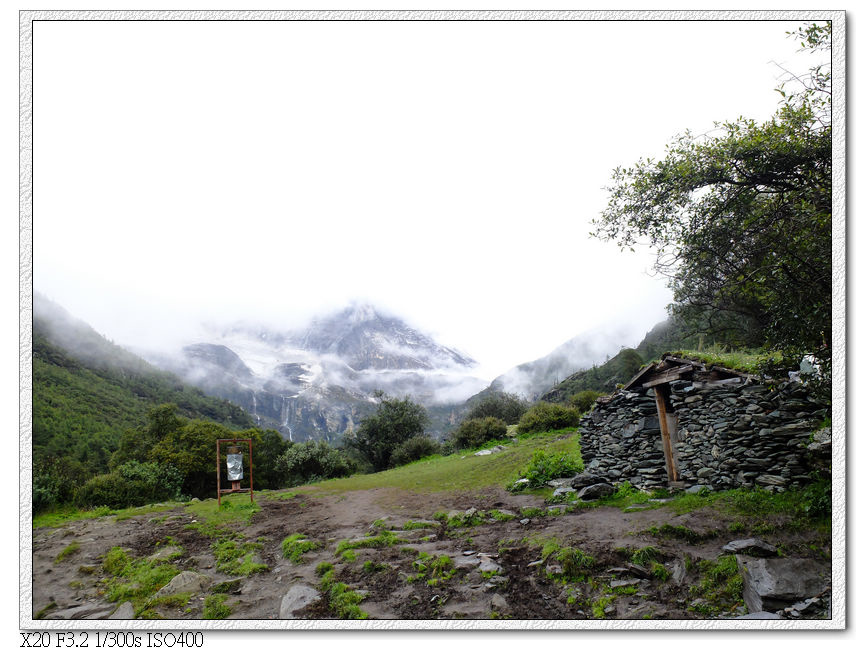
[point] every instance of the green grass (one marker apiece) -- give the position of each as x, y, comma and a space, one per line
743, 360
457, 471
215, 607
236, 509
71, 549
135, 580
294, 546
236, 558
645, 556
384, 538
413, 525
681, 532
721, 586
344, 602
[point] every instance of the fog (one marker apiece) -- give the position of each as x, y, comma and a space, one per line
446, 173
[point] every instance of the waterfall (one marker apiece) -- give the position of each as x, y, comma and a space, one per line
255, 409
285, 414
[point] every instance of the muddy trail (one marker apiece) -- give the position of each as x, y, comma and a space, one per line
391, 554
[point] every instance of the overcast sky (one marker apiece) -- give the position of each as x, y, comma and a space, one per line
445, 171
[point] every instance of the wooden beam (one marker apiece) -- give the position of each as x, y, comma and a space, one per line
660, 402
667, 376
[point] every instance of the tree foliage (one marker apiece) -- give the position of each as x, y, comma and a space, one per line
474, 432
504, 406
310, 461
741, 221
394, 422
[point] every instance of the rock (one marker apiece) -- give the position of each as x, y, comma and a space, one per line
471, 512
751, 546
495, 582
562, 491
559, 482
185, 581
499, 604
758, 615
521, 481
298, 597
584, 480
705, 472
775, 583
487, 565
483, 452
525, 522
623, 583
695, 489
125, 612
88, 611
679, 571
596, 491
165, 552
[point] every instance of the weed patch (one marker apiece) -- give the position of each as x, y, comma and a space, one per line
721, 586
294, 546
71, 549
215, 607
237, 558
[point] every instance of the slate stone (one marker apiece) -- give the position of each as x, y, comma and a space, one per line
596, 491
758, 615
771, 584
751, 546
184, 582
123, 613
298, 597
583, 480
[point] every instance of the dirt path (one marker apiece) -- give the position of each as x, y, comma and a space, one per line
493, 565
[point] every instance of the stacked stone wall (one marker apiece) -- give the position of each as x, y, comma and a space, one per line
727, 436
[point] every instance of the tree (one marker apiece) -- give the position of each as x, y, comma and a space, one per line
504, 406
394, 422
741, 221
312, 461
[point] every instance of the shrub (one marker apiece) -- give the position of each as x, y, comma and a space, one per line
414, 449
504, 406
544, 416
546, 466
585, 400
394, 422
475, 432
313, 461
131, 484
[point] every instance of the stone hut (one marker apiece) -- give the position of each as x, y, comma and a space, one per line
680, 423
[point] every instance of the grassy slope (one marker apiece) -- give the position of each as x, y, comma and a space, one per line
460, 471
81, 408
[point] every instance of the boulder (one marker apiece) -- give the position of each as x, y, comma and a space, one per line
125, 612
89, 611
759, 615
583, 480
596, 491
184, 582
298, 597
771, 584
751, 546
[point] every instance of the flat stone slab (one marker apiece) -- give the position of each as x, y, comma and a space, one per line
759, 615
87, 611
298, 597
771, 584
751, 546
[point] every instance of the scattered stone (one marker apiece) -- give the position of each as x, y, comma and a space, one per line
487, 565
125, 612
758, 615
775, 583
562, 491
88, 611
596, 491
584, 480
471, 512
531, 565
467, 553
298, 597
623, 583
751, 546
185, 581
499, 603
525, 522
695, 489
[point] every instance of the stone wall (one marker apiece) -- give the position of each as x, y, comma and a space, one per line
726, 436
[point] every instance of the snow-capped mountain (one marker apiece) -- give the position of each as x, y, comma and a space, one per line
318, 381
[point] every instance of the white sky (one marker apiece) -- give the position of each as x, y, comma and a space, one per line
447, 172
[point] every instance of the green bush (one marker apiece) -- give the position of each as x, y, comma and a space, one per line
313, 461
544, 416
546, 466
131, 484
585, 400
413, 449
475, 432
504, 406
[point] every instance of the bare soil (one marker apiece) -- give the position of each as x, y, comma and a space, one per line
520, 591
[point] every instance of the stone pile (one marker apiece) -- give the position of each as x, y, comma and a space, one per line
728, 436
